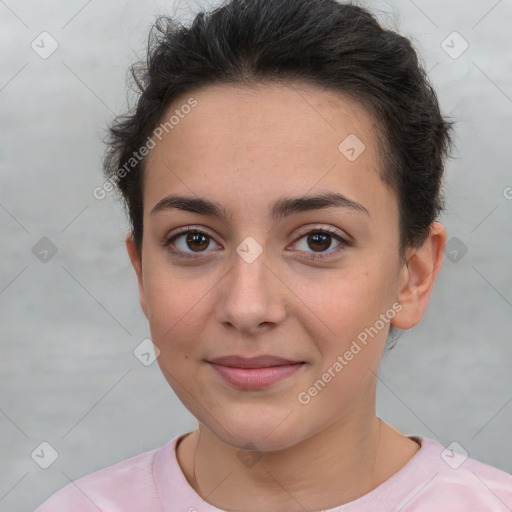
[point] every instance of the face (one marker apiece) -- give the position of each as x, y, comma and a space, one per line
303, 284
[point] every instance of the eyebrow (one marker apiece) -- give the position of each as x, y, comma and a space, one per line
280, 209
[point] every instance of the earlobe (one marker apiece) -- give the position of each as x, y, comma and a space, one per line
417, 278
136, 260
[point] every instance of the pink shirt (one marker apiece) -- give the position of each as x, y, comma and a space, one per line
434, 480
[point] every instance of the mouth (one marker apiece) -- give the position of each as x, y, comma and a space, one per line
256, 372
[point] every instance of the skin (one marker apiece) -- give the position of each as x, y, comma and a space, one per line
246, 147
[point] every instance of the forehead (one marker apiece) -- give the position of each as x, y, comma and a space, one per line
265, 138
276, 114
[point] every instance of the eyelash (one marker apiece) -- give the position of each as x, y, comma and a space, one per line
167, 242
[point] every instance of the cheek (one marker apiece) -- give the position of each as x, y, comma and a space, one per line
349, 301
176, 307
351, 349
333, 306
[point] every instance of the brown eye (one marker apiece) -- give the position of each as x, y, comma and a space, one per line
197, 240
188, 241
316, 243
191, 242
319, 241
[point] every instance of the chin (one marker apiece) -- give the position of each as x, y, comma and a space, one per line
253, 432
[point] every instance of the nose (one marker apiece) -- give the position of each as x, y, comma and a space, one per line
252, 296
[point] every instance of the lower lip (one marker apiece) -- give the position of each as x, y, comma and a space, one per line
254, 378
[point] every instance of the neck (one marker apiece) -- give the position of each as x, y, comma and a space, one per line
348, 459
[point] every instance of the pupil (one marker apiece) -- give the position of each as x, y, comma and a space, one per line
193, 237
314, 239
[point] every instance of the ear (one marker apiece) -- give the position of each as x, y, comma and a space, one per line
417, 278
136, 260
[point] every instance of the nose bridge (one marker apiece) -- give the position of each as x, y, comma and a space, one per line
250, 295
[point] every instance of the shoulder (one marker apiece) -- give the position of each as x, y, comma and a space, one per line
455, 479
123, 486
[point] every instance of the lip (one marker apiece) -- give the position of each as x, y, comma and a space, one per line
263, 361
254, 373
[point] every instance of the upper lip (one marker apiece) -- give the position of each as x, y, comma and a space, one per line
253, 362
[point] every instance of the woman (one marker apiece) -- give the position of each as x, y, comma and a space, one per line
282, 174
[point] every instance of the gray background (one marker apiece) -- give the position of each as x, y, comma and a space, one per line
69, 325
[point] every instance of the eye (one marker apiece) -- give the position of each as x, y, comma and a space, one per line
188, 238
190, 242
320, 240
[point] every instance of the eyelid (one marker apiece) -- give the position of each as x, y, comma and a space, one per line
185, 230
329, 229
344, 240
